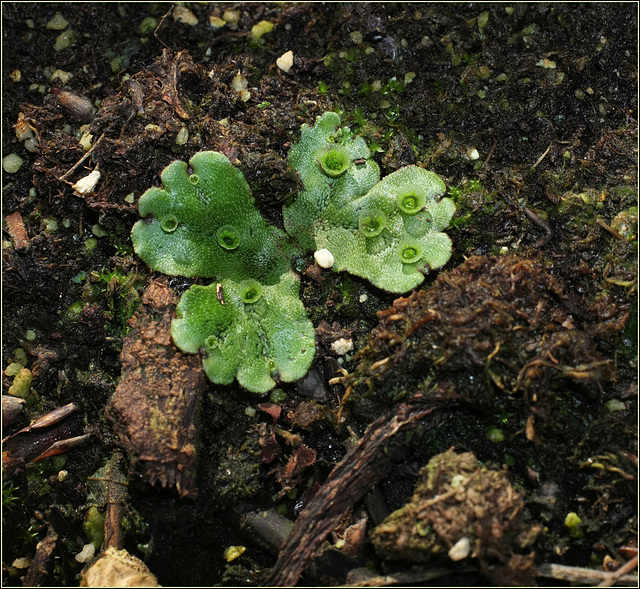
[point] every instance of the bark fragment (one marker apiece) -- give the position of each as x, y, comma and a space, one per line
156, 404
352, 477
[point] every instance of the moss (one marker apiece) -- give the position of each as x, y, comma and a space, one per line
455, 498
93, 526
21, 386
238, 474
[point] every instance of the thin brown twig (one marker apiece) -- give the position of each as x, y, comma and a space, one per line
627, 567
79, 162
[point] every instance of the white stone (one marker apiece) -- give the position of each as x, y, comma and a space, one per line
285, 61
472, 154
547, 64
87, 553
87, 184
239, 83
57, 23
183, 14
324, 258
460, 549
22, 563
342, 346
11, 163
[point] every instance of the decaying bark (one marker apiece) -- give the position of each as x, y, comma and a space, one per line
351, 478
156, 405
41, 563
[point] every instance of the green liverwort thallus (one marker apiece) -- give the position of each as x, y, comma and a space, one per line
250, 323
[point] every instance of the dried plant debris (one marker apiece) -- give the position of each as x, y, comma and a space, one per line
349, 481
54, 433
156, 404
460, 509
118, 568
492, 327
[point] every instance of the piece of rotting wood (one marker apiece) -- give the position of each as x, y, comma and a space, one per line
350, 480
156, 405
586, 577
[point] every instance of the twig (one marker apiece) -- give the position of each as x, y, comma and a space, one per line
268, 528
155, 31
84, 157
347, 483
608, 229
542, 157
416, 577
627, 567
41, 563
584, 576
490, 154
17, 231
545, 226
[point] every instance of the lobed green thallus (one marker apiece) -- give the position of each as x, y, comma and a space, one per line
250, 323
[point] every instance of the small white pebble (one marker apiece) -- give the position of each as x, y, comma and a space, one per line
22, 563
216, 22
363, 297
324, 258
342, 346
262, 28
285, 61
86, 554
61, 75
239, 82
85, 141
231, 17
63, 475
472, 154
13, 369
183, 14
182, 136
233, 552
57, 23
99, 231
460, 549
87, 184
547, 64
64, 40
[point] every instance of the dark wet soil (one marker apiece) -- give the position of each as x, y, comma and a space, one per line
525, 343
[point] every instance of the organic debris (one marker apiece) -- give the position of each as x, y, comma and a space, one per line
155, 407
351, 478
54, 433
460, 509
493, 326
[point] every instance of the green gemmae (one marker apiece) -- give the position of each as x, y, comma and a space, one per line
249, 323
